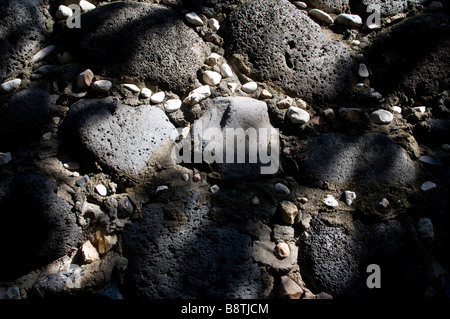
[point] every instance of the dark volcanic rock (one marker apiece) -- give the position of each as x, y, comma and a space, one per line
332, 6
413, 56
37, 226
384, 7
119, 137
369, 159
22, 32
283, 45
141, 40
201, 260
210, 8
336, 262
26, 112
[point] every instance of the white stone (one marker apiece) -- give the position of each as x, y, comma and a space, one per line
194, 19
329, 114
86, 6
384, 203
420, 109
213, 59
64, 57
10, 86
63, 12
298, 115
360, 85
102, 85
363, 71
300, 4
321, 16
356, 42
132, 87
226, 71
255, 200
250, 87
280, 188
146, 93
301, 103
397, 109
349, 197
198, 95
265, 94
282, 250
330, 201
158, 97
381, 117
214, 189
350, 20
5, 158
101, 189
185, 177
47, 136
213, 24
172, 105
286, 103
425, 228
428, 186
71, 166
232, 86
212, 78
161, 189
90, 254
42, 54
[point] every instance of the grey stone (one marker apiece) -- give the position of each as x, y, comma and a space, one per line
27, 111
201, 260
331, 6
37, 226
384, 7
412, 56
429, 160
120, 138
282, 44
231, 113
321, 16
335, 262
22, 32
349, 20
369, 159
5, 158
10, 86
425, 229
381, 117
141, 40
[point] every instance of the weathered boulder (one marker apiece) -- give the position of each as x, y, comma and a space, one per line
201, 260
330, 6
22, 34
211, 8
413, 56
283, 45
246, 121
386, 8
24, 117
335, 261
368, 159
141, 40
37, 226
119, 137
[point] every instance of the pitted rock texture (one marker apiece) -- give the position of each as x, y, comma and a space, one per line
26, 112
330, 6
336, 261
281, 44
412, 56
244, 114
201, 260
369, 159
384, 7
125, 39
22, 33
105, 130
37, 226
